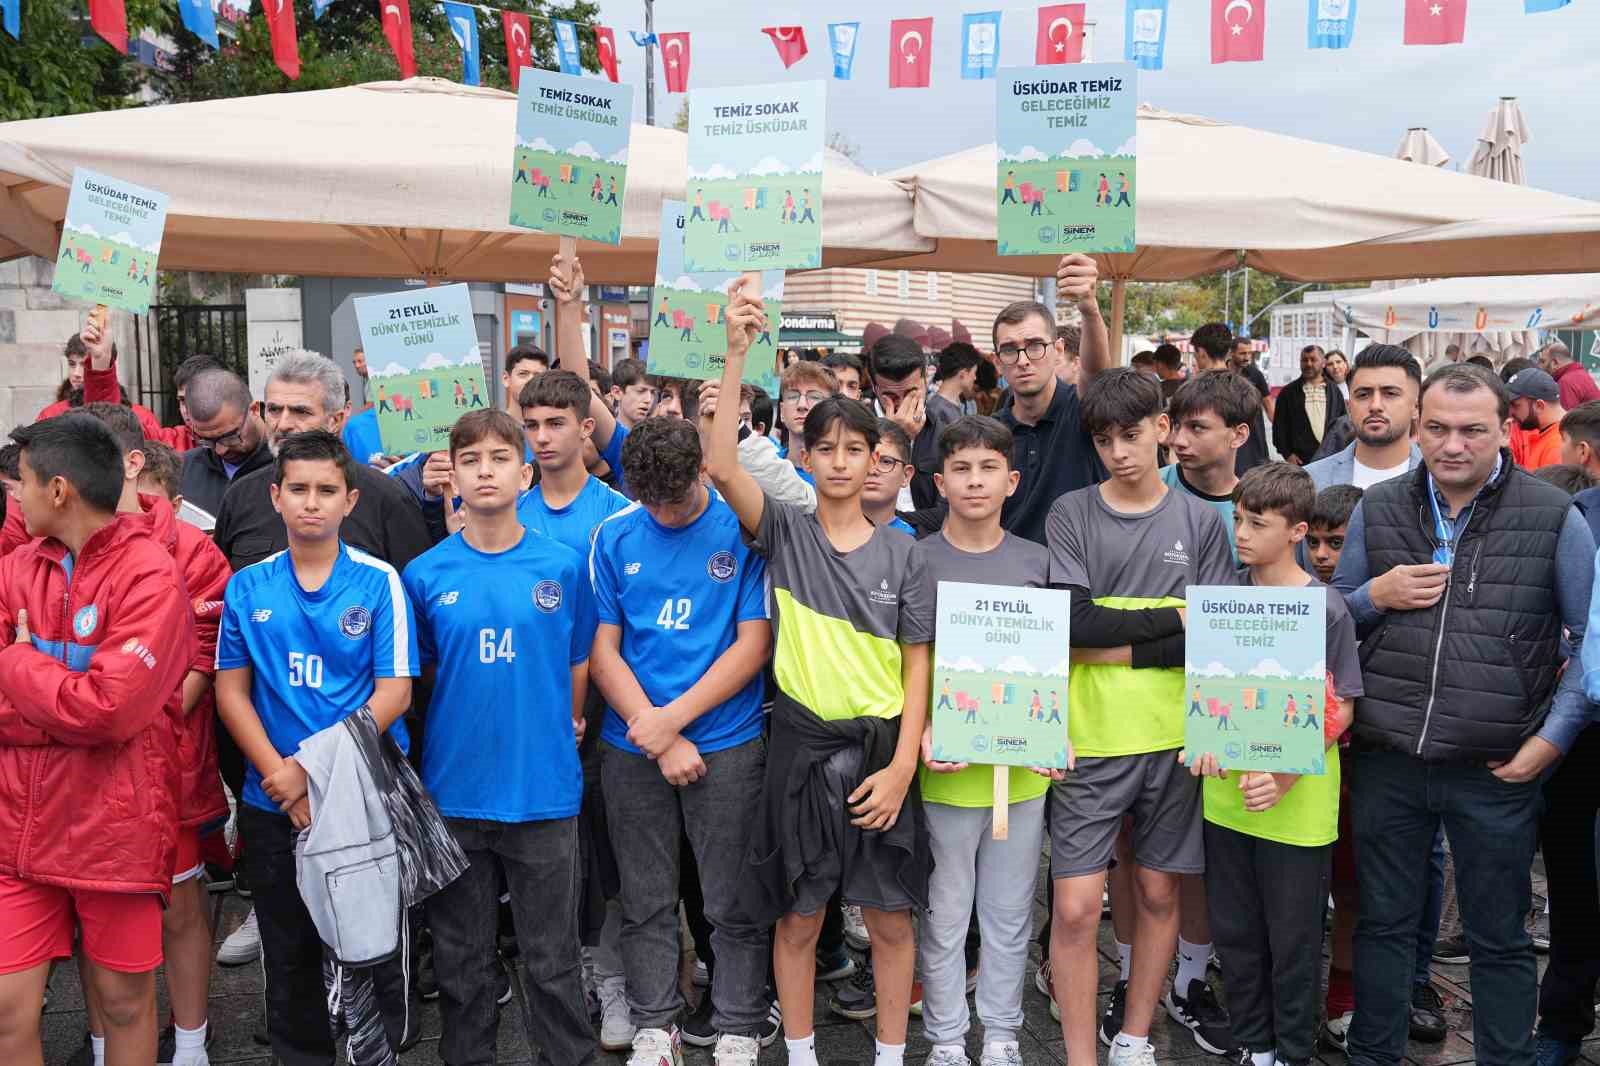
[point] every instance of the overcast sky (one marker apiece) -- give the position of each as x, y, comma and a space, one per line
1363, 97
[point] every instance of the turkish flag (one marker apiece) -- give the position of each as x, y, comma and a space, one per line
1060, 37
790, 42
518, 52
1238, 30
675, 60
910, 53
605, 47
396, 16
285, 44
1436, 21
110, 20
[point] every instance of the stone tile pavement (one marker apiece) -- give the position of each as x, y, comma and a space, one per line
236, 999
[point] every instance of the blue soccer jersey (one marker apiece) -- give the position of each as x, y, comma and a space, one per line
612, 454
574, 524
505, 630
314, 655
679, 596
361, 436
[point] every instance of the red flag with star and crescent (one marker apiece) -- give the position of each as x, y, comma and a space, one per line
1436, 21
285, 41
675, 59
910, 53
1238, 30
605, 49
396, 16
519, 53
110, 20
1060, 37
790, 42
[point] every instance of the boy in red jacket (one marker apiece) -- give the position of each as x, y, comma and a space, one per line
97, 637
185, 932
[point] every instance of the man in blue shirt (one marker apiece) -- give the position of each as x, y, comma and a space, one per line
504, 611
683, 636
308, 637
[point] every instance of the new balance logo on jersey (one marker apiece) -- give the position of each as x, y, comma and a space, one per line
447, 598
631, 568
1176, 554
260, 615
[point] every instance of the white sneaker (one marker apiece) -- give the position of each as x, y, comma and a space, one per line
1122, 1055
657, 1047
1009, 1054
242, 945
947, 1055
616, 1023
855, 928
736, 1051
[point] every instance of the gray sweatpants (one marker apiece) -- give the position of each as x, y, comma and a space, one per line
968, 861
647, 816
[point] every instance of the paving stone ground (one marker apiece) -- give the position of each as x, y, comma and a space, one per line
236, 1005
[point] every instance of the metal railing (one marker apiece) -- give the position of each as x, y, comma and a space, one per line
171, 333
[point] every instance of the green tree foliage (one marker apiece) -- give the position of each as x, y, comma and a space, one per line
60, 67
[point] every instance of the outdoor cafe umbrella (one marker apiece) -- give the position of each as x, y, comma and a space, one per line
1498, 157
1420, 146
408, 179
1207, 190
1475, 306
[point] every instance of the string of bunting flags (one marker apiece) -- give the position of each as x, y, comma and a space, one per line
1237, 30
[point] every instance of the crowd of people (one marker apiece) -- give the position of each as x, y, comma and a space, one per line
634, 647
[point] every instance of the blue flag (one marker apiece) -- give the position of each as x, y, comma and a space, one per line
567, 46
842, 38
11, 14
463, 20
320, 7
1330, 23
980, 44
1145, 40
1534, 7
643, 40
198, 19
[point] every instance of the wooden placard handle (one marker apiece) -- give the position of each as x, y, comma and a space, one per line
1002, 802
568, 247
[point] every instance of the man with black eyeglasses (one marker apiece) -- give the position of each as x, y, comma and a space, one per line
1051, 450
229, 437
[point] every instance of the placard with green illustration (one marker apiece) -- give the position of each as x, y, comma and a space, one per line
110, 241
1256, 677
570, 168
425, 366
1067, 147
1000, 660
755, 178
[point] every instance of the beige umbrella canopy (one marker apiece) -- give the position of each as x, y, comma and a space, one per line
1498, 153
388, 179
1419, 146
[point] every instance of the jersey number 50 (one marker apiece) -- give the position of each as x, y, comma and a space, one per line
305, 670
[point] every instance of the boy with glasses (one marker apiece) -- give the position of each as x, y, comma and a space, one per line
891, 472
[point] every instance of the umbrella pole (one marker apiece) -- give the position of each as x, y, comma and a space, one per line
1119, 306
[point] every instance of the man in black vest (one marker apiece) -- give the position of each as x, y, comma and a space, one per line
1460, 576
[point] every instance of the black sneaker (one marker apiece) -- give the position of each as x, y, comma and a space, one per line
1111, 1020
1203, 1016
503, 993
1427, 1015
772, 1026
1451, 951
427, 980
697, 1030
167, 1043
857, 998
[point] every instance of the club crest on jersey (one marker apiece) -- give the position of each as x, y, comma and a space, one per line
85, 620
547, 596
722, 566
355, 621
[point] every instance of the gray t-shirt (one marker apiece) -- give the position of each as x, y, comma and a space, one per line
838, 616
934, 559
1145, 557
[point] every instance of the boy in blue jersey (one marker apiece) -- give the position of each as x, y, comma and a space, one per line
891, 472
569, 502
683, 636
504, 611
308, 637
609, 431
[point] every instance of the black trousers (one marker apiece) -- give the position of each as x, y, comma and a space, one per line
1267, 901
291, 952
1566, 996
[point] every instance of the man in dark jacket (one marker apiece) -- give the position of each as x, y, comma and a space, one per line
230, 440
1461, 576
1306, 408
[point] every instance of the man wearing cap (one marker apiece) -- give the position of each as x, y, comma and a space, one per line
1536, 409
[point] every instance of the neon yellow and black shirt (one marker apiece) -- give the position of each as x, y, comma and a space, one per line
1130, 562
838, 616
